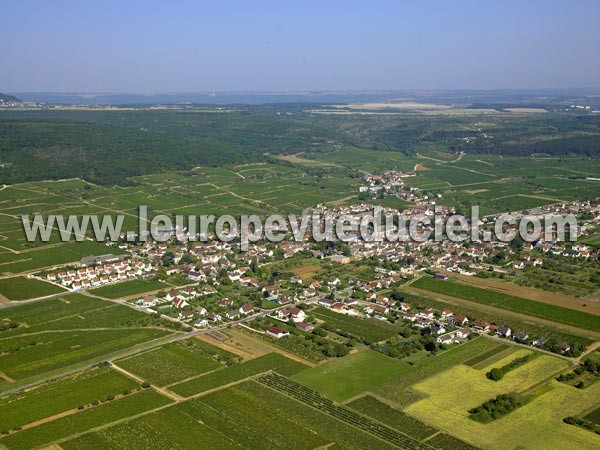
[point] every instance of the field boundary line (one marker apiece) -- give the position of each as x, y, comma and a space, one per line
172, 395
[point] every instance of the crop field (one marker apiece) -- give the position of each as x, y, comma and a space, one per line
565, 295
248, 415
57, 333
398, 391
344, 378
204, 396
95, 416
160, 429
464, 388
22, 288
592, 239
28, 356
61, 395
71, 312
497, 184
447, 441
344, 414
378, 410
367, 159
169, 364
270, 188
35, 259
235, 373
492, 353
384, 413
129, 288
530, 307
213, 351
38, 314
369, 330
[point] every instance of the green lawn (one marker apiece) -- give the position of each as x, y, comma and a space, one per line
344, 378
22, 288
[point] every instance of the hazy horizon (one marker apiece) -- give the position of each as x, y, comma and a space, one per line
194, 47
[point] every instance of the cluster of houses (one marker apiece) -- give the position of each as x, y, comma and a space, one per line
208, 264
444, 325
198, 315
100, 274
391, 183
517, 336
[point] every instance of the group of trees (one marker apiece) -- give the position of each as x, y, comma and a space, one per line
584, 423
495, 408
497, 373
589, 365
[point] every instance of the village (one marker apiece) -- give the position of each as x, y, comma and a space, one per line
211, 284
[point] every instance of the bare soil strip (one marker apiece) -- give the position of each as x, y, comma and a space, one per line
248, 340
420, 168
233, 346
6, 377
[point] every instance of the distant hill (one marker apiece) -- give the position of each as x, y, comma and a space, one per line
8, 98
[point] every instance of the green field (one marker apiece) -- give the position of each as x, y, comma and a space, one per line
169, 364
542, 310
248, 416
128, 288
57, 333
486, 356
398, 390
61, 395
81, 421
343, 413
29, 356
464, 388
52, 256
72, 312
367, 330
384, 413
212, 380
344, 378
21, 288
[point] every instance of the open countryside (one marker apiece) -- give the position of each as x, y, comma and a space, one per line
202, 209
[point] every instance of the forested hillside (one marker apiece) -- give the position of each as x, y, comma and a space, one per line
107, 146
8, 98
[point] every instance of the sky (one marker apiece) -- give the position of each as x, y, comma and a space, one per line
164, 46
